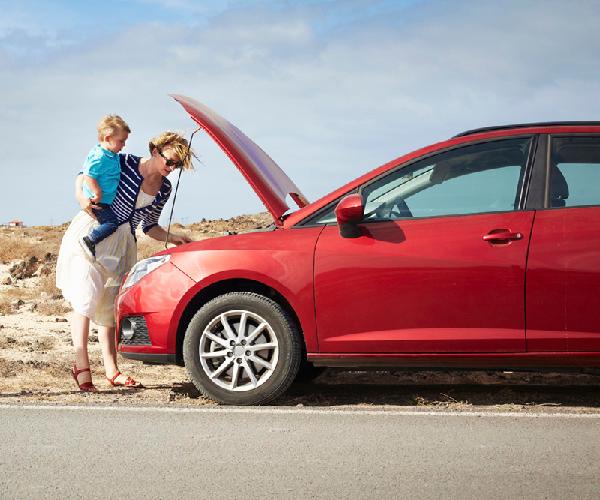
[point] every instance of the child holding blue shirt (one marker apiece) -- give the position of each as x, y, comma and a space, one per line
101, 174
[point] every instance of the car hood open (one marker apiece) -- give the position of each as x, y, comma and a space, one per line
270, 183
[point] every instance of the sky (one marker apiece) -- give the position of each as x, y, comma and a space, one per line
329, 89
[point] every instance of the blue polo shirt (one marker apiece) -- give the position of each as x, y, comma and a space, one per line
104, 166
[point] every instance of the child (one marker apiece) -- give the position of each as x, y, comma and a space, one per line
101, 173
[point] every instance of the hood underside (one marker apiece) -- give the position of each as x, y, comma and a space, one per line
269, 182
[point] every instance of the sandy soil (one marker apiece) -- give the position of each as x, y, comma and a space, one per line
36, 353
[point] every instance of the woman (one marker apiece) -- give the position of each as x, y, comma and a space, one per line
91, 286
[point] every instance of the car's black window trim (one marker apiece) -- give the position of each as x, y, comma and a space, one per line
535, 184
522, 195
525, 177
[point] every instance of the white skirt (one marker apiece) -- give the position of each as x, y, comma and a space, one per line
91, 287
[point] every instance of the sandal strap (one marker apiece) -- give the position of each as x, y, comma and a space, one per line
114, 377
77, 371
89, 386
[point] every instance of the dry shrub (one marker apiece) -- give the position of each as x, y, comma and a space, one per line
44, 344
18, 293
36, 242
148, 246
53, 305
53, 308
18, 248
47, 284
8, 342
9, 368
9, 296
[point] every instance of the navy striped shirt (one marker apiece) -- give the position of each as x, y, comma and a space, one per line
130, 184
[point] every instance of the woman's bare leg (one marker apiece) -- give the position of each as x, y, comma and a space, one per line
80, 329
106, 336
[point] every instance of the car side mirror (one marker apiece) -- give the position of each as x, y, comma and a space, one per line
349, 212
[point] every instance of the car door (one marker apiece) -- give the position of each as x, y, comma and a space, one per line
563, 273
439, 266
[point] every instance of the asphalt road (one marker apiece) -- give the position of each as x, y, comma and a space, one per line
229, 453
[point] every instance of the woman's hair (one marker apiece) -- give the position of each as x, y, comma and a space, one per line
110, 125
177, 143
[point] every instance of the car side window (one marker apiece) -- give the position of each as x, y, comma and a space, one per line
484, 177
574, 172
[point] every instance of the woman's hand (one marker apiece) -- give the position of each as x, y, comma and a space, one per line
87, 206
158, 233
179, 239
84, 202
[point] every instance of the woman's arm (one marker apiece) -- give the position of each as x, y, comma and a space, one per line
158, 233
150, 222
84, 202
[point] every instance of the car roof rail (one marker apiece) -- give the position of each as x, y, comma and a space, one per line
527, 125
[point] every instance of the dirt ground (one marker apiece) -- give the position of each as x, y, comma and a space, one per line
36, 353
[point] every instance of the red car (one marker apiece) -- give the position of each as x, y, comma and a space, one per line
482, 251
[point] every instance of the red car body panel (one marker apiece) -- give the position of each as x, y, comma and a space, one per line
563, 281
410, 292
281, 260
157, 297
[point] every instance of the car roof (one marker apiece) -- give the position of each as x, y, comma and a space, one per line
530, 125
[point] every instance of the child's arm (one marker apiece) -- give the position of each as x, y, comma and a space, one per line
93, 186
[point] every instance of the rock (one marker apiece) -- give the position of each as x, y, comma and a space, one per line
31, 307
16, 304
43, 270
61, 320
7, 280
50, 257
24, 268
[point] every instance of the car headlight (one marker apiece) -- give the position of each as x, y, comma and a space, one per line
144, 267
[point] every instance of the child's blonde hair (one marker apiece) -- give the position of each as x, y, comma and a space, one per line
177, 143
110, 125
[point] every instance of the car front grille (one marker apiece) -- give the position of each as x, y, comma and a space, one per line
134, 331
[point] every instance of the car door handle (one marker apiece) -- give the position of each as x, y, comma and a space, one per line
501, 236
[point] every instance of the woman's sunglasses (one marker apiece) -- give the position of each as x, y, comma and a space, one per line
169, 162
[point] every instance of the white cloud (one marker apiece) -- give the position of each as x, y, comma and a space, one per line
326, 105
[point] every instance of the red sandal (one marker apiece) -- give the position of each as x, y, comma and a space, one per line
128, 383
85, 386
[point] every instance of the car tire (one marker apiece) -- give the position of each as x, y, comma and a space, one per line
308, 372
242, 348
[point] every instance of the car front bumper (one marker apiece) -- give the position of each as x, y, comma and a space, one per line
148, 315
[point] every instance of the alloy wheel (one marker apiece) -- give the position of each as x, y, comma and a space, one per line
238, 350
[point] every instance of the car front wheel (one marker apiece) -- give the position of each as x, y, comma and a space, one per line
242, 348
